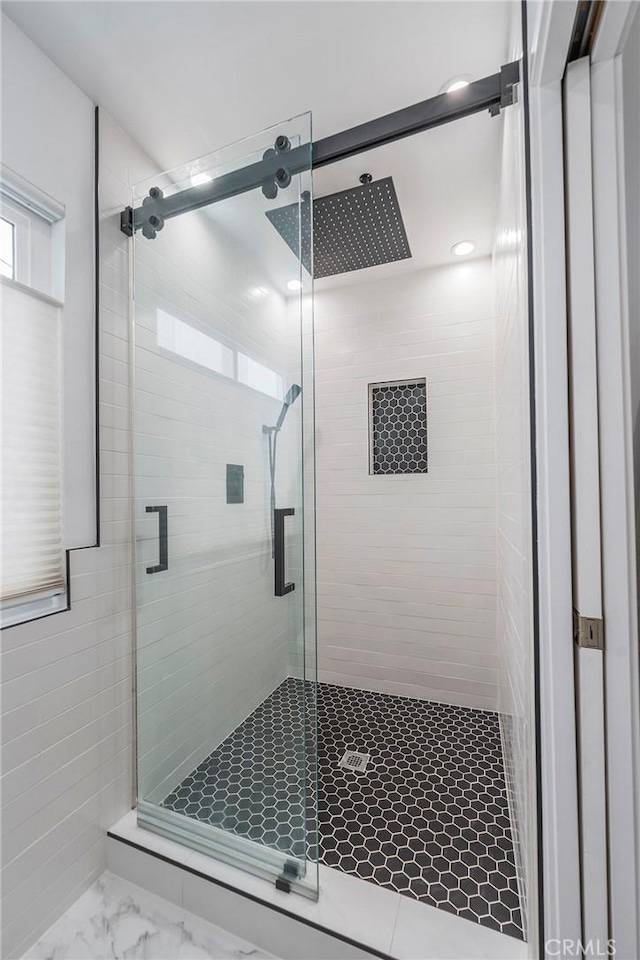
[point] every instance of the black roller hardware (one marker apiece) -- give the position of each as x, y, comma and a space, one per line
492, 93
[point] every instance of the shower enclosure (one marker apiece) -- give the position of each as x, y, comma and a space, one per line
225, 564
224, 474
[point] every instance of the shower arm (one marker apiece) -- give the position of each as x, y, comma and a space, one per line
278, 165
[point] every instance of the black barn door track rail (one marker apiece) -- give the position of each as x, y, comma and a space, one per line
280, 163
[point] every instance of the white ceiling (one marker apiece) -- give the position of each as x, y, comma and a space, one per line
184, 78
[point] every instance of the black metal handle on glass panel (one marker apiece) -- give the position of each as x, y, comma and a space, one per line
163, 540
282, 588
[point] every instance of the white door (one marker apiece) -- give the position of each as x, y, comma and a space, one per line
615, 104
585, 500
603, 490
605, 309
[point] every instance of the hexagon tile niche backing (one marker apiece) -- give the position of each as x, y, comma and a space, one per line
398, 427
428, 817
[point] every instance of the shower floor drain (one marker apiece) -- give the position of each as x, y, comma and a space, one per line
354, 761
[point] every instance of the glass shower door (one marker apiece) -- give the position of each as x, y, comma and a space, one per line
224, 505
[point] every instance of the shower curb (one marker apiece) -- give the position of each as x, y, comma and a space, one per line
356, 944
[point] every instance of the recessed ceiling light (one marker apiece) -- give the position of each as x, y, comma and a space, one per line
463, 248
197, 179
456, 83
258, 293
295, 285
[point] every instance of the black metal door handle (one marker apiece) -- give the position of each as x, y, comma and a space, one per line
163, 540
281, 588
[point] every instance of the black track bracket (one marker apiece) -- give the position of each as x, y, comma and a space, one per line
126, 221
290, 872
509, 77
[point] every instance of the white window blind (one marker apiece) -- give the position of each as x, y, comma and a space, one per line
33, 563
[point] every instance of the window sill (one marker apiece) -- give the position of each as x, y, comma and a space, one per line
31, 290
15, 614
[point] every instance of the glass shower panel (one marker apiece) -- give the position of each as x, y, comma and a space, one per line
225, 508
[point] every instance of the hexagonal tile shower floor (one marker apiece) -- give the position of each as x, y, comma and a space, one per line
428, 817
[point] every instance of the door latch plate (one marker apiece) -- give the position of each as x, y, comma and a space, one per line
588, 632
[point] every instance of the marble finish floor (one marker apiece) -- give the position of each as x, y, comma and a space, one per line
115, 919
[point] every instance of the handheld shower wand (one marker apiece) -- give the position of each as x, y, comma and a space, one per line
292, 395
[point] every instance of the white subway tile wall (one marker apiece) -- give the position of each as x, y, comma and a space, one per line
67, 679
204, 665
407, 564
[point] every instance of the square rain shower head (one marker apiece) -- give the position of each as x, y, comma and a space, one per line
352, 229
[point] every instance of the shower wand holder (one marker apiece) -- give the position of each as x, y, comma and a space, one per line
281, 587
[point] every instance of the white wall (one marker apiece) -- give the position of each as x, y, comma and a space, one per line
631, 131
631, 107
514, 501
407, 564
214, 641
49, 141
213, 638
66, 679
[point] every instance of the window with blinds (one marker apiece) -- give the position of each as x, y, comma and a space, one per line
33, 565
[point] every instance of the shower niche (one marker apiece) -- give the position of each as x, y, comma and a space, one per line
223, 347
398, 427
